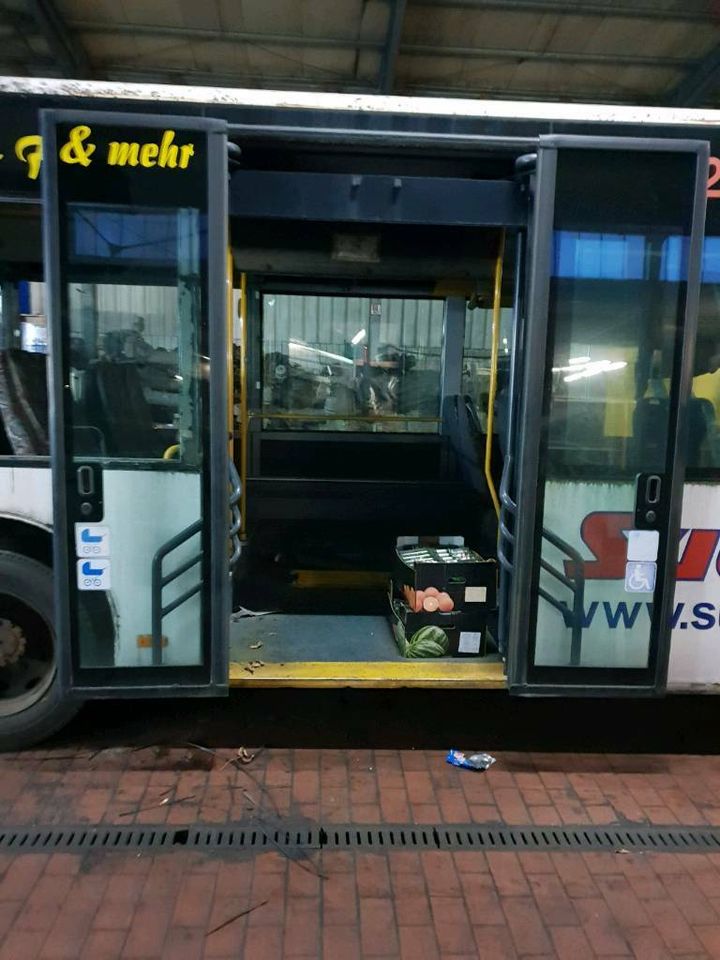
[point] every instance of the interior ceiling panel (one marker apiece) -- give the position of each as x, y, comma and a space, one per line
619, 51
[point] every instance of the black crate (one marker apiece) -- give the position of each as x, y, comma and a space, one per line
469, 579
463, 628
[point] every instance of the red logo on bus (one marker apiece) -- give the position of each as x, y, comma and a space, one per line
604, 535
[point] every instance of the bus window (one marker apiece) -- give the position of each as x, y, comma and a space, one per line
23, 337
612, 346
133, 341
351, 363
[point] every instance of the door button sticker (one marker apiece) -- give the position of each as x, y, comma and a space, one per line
93, 574
92, 540
643, 545
640, 576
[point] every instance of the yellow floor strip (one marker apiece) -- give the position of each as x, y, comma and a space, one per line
340, 579
389, 673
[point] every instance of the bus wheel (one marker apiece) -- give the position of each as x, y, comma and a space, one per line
31, 704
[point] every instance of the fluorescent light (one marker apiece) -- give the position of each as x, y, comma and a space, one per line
295, 345
592, 369
359, 336
573, 364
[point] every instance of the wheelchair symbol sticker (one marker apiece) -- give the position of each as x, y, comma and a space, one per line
640, 576
92, 540
93, 574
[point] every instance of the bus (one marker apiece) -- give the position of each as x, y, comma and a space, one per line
305, 389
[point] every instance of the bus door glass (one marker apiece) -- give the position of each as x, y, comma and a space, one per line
135, 227
593, 489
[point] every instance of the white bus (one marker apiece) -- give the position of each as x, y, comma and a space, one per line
314, 389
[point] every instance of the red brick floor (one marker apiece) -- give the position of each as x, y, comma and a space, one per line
406, 904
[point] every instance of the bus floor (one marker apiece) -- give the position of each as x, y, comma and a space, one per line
290, 649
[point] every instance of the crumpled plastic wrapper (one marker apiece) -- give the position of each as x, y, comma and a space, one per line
470, 761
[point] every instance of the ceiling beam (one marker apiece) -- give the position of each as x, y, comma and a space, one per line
703, 78
583, 8
546, 56
218, 36
67, 50
409, 49
388, 63
120, 72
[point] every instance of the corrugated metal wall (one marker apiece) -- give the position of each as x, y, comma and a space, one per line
328, 322
321, 321
119, 306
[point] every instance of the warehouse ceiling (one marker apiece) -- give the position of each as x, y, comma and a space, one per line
659, 52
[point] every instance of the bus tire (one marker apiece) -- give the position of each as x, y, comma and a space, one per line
32, 706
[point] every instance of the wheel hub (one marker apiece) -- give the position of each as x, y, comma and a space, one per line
12, 643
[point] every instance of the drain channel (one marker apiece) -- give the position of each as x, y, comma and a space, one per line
288, 837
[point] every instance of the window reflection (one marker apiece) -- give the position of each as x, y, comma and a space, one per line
351, 363
615, 300
23, 372
133, 307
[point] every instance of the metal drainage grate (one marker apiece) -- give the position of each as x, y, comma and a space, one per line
287, 837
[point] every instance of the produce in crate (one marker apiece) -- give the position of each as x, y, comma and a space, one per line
428, 642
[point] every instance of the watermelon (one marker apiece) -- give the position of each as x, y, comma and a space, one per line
428, 641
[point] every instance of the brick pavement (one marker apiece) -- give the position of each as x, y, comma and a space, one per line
407, 904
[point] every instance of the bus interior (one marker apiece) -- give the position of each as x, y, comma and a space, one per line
368, 374
371, 371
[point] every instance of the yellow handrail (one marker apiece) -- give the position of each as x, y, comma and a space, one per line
494, 353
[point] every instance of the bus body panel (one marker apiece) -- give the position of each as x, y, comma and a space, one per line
25, 491
25, 495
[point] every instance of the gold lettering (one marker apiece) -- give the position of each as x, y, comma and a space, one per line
148, 153
122, 154
29, 150
168, 150
75, 151
185, 153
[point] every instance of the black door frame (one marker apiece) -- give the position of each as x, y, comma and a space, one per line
210, 677
523, 677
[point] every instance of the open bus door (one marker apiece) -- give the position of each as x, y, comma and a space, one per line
135, 234
592, 490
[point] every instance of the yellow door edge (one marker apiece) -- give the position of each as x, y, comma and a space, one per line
460, 673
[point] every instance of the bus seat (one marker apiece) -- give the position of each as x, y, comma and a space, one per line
116, 404
24, 402
464, 442
417, 394
650, 425
650, 419
467, 439
701, 423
